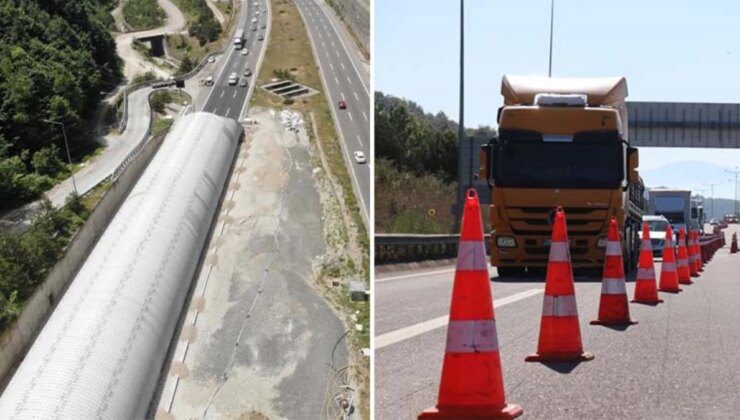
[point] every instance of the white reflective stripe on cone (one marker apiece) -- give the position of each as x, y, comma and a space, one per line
471, 255
613, 249
559, 252
668, 243
471, 336
559, 306
647, 245
668, 267
613, 287
645, 273
683, 262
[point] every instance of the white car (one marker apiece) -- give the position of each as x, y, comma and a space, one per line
657, 225
245, 51
208, 81
211, 59
254, 20
233, 79
359, 157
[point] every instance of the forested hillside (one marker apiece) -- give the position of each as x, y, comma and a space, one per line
415, 167
55, 59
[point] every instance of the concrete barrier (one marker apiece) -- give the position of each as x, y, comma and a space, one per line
17, 339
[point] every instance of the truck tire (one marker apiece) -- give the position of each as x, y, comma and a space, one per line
510, 271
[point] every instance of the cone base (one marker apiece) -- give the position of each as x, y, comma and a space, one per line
694, 274
647, 302
671, 290
616, 322
582, 357
509, 411
685, 282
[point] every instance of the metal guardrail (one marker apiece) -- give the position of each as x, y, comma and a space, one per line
397, 248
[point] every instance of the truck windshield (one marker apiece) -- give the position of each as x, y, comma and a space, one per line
590, 160
657, 225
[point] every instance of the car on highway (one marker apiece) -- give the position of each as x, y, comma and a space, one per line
211, 59
342, 104
247, 72
359, 157
264, 26
261, 37
254, 27
244, 83
208, 81
233, 79
245, 51
731, 218
254, 20
657, 225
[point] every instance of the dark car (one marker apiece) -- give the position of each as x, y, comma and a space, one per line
342, 105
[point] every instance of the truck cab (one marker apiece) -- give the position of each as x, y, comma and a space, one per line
561, 142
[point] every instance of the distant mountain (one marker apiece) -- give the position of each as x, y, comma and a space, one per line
693, 175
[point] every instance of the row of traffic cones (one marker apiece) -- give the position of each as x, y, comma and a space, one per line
472, 384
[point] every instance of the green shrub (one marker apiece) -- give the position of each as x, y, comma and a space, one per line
47, 162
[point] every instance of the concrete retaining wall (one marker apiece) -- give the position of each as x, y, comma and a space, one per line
357, 18
15, 342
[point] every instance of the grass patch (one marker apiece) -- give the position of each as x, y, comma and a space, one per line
143, 14
290, 54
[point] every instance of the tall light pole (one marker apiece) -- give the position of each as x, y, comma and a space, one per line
736, 172
461, 124
711, 189
66, 146
552, 21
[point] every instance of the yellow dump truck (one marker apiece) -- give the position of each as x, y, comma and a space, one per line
561, 142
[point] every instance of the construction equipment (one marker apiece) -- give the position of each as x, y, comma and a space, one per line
561, 142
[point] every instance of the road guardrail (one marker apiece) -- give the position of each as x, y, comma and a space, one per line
398, 248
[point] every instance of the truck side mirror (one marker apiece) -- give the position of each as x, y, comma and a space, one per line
633, 161
485, 162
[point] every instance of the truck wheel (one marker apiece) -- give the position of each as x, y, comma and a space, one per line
510, 271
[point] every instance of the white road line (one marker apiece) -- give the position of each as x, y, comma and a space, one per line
222, 94
349, 80
323, 44
356, 97
227, 111
405, 333
360, 140
342, 94
350, 116
336, 80
214, 110
365, 115
234, 95
342, 64
408, 276
332, 66
327, 54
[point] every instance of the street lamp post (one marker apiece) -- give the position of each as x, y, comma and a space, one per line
461, 125
711, 189
552, 21
736, 172
69, 156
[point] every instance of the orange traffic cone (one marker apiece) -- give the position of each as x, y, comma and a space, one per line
733, 245
613, 306
646, 290
693, 257
560, 332
668, 275
472, 385
697, 251
682, 268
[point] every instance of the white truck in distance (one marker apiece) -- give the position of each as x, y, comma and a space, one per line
675, 205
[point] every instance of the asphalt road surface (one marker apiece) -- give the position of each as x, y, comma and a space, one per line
230, 100
680, 361
343, 83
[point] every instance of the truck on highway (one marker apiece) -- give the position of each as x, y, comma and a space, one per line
674, 204
239, 38
562, 142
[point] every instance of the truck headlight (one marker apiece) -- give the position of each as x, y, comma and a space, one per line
601, 242
505, 242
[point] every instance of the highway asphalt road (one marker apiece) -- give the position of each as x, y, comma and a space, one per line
342, 81
230, 100
680, 361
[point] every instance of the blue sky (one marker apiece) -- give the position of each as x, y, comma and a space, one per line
669, 50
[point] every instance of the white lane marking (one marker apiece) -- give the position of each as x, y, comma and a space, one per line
364, 115
332, 66
227, 111
336, 80
360, 140
350, 116
234, 95
214, 110
408, 276
327, 54
323, 44
342, 64
342, 94
348, 80
405, 333
356, 97
222, 94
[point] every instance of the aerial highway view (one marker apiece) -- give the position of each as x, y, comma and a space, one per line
555, 210
180, 237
